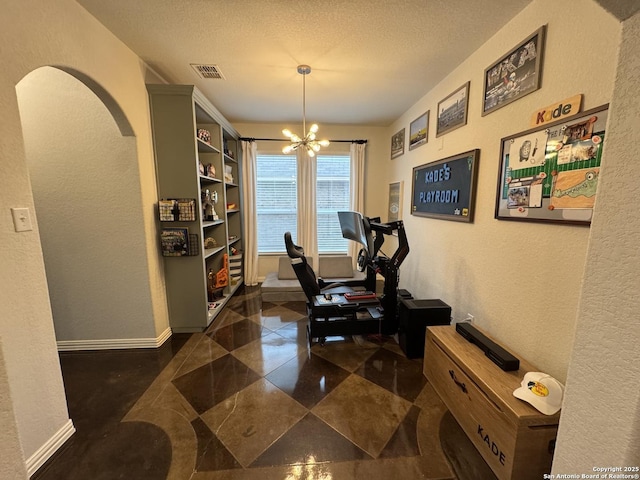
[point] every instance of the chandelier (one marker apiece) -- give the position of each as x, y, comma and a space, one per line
309, 142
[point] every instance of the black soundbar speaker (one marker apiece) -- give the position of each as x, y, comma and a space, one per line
491, 349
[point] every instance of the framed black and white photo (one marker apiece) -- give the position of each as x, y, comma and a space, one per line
397, 144
515, 74
452, 110
419, 131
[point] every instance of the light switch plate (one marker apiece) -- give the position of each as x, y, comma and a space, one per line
21, 219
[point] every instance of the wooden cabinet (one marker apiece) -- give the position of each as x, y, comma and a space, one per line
515, 439
197, 151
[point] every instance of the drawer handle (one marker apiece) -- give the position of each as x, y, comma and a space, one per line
462, 386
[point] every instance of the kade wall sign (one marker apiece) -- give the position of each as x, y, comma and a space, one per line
557, 111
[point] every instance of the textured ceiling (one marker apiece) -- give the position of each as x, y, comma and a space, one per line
370, 59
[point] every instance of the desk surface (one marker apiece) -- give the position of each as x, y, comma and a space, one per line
338, 299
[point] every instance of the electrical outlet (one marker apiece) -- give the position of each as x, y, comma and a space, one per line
469, 318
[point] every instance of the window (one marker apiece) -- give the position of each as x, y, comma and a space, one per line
332, 196
277, 204
276, 200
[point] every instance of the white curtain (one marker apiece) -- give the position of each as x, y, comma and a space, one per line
250, 219
357, 188
307, 236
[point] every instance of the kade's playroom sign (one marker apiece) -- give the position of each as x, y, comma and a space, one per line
445, 189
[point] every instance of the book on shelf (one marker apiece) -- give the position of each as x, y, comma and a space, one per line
214, 305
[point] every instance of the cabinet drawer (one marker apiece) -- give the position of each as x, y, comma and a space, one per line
513, 450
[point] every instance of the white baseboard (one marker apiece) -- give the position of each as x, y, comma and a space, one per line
113, 344
51, 446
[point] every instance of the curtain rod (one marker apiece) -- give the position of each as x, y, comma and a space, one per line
252, 139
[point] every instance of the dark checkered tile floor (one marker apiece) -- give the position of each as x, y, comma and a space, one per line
250, 399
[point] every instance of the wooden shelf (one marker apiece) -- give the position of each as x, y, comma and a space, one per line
177, 113
212, 223
206, 147
204, 178
212, 251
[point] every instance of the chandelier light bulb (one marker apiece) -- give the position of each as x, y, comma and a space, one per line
309, 141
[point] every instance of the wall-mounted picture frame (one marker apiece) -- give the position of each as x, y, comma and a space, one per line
452, 110
550, 173
446, 189
394, 211
419, 131
397, 144
515, 74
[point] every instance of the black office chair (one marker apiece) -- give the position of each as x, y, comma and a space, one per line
311, 285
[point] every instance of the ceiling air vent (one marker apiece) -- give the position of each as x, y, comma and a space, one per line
208, 71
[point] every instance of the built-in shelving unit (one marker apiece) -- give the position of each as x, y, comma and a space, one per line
178, 114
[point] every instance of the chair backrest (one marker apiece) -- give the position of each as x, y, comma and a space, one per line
304, 272
293, 250
306, 277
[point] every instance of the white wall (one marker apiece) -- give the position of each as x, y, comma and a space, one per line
33, 34
86, 190
377, 150
11, 457
521, 281
604, 373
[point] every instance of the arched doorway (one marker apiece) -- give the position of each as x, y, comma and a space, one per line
82, 160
